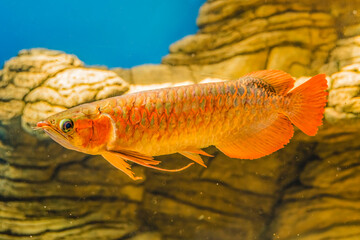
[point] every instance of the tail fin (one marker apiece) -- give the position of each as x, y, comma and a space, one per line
307, 104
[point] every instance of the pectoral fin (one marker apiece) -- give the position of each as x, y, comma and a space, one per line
118, 158
135, 157
120, 164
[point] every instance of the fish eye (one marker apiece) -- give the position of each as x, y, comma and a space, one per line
66, 125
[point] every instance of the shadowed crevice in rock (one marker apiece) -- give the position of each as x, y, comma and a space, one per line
325, 204
291, 182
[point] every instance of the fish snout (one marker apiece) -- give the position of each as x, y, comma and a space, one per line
42, 124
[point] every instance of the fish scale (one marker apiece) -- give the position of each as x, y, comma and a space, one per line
188, 110
246, 118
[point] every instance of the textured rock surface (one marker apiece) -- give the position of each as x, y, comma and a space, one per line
308, 190
324, 202
39, 82
344, 96
231, 199
292, 36
43, 196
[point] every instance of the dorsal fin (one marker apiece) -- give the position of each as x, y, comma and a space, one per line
281, 81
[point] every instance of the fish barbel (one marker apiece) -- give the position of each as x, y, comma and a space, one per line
246, 118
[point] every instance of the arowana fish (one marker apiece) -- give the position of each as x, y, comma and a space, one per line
246, 118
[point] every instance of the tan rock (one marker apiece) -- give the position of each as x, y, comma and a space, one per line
3, 81
214, 11
230, 194
307, 190
322, 19
71, 78
326, 197
333, 172
267, 10
71, 224
347, 52
50, 95
10, 109
25, 72
352, 67
346, 79
148, 74
69, 88
111, 91
293, 60
141, 88
192, 43
333, 116
287, 18
339, 97
11, 92
35, 112
246, 33
175, 217
345, 92
32, 67
258, 42
232, 68
349, 61
147, 236
29, 80
326, 221
44, 60
22, 75
230, 24
352, 30
318, 58
124, 74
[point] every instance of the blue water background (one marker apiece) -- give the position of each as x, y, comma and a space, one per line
117, 33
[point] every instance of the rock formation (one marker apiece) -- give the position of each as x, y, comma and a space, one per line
308, 190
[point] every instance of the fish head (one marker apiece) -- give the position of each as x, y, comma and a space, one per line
78, 129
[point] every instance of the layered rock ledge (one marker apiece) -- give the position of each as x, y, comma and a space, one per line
308, 190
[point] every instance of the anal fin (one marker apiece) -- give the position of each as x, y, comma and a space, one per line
260, 144
198, 151
193, 156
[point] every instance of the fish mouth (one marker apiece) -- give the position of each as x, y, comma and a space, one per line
54, 134
47, 127
42, 125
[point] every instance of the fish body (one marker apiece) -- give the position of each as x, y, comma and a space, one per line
246, 118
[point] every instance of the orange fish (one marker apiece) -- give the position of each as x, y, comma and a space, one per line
246, 118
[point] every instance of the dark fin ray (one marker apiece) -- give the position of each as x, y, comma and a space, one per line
281, 81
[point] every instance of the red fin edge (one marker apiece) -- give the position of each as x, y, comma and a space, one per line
308, 103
